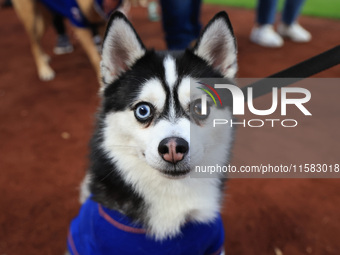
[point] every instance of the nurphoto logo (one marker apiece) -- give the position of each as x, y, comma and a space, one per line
238, 105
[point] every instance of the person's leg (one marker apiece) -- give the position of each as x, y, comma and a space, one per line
6, 3
289, 27
263, 32
63, 44
97, 39
58, 24
195, 18
291, 11
180, 22
266, 11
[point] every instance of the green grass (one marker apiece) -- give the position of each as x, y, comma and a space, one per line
318, 8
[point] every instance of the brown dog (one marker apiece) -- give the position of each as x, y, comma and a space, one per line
36, 16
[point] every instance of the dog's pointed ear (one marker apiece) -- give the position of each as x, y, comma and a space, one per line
217, 45
121, 48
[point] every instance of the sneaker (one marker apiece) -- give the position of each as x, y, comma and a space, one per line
153, 11
63, 45
294, 32
97, 40
266, 36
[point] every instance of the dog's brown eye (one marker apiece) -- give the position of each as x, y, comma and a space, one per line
196, 110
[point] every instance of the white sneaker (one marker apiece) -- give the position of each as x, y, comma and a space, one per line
266, 36
97, 40
294, 32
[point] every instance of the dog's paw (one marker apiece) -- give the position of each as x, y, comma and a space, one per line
46, 73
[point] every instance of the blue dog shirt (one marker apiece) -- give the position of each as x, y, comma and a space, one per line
70, 10
100, 231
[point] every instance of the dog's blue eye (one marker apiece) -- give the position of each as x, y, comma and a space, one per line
143, 112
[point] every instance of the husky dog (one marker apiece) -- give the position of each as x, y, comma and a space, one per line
138, 196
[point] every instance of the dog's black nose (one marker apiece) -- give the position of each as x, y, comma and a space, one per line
173, 149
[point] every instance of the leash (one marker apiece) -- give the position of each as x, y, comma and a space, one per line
296, 73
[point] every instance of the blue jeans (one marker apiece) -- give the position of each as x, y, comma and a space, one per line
181, 23
266, 11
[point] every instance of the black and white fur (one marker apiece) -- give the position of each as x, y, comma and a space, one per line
127, 173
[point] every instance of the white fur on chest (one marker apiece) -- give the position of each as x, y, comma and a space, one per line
173, 202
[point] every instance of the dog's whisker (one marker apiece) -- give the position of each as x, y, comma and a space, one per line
127, 146
107, 175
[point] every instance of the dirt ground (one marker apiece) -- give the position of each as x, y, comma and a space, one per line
45, 128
